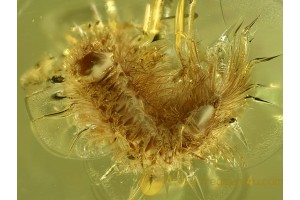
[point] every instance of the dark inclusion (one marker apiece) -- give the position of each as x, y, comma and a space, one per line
87, 62
57, 79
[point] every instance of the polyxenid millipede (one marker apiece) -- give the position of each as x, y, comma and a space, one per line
145, 94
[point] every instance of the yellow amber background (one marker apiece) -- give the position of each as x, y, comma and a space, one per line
41, 175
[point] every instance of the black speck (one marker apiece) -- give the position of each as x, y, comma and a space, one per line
131, 157
232, 120
156, 37
57, 79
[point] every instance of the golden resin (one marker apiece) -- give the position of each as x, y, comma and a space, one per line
146, 94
